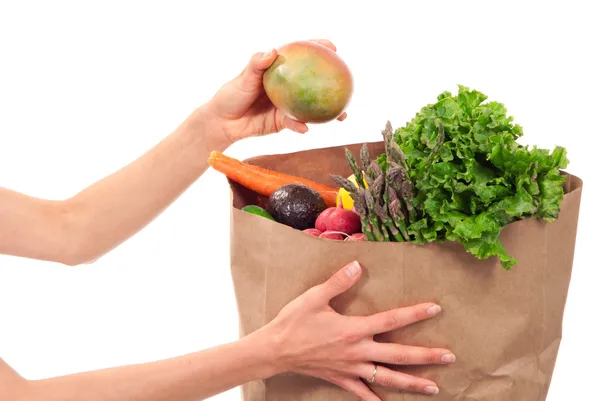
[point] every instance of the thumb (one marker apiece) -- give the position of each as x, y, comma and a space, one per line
341, 281
250, 80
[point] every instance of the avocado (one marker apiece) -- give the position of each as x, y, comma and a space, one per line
296, 205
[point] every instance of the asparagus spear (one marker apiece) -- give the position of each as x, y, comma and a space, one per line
354, 167
388, 135
388, 131
391, 194
396, 155
361, 209
369, 177
399, 218
383, 226
408, 196
344, 183
377, 188
370, 203
396, 175
383, 213
376, 169
365, 157
397, 212
400, 183
402, 191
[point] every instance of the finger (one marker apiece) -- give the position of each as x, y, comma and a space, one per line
251, 78
326, 43
398, 318
294, 125
342, 117
340, 282
397, 380
358, 388
265, 60
396, 354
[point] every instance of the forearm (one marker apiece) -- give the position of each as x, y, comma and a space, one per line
116, 207
100, 217
187, 378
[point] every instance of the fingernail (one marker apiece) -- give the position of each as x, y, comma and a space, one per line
432, 390
267, 54
434, 310
352, 269
448, 358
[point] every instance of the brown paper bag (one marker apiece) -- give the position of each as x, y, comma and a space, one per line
504, 327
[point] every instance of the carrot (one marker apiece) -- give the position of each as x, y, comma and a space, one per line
264, 181
314, 185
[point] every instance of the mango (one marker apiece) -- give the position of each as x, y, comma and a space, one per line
309, 82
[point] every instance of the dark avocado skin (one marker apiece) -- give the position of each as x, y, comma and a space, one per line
296, 205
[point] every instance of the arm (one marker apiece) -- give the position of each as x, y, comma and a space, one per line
100, 217
307, 337
191, 377
94, 221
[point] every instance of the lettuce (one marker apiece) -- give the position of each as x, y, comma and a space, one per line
470, 175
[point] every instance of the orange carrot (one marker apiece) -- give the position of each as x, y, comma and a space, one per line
314, 185
264, 181
287, 179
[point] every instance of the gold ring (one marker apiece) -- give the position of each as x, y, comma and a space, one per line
374, 374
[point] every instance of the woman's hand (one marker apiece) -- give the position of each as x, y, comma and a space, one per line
314, 340
242, 109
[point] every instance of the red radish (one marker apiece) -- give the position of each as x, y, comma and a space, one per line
335, 235
339, 219
312, 231
344, 220
323, 218
356, 237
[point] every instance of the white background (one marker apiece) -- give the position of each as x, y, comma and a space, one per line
86, 87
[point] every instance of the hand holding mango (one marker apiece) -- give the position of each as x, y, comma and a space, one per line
242, 109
